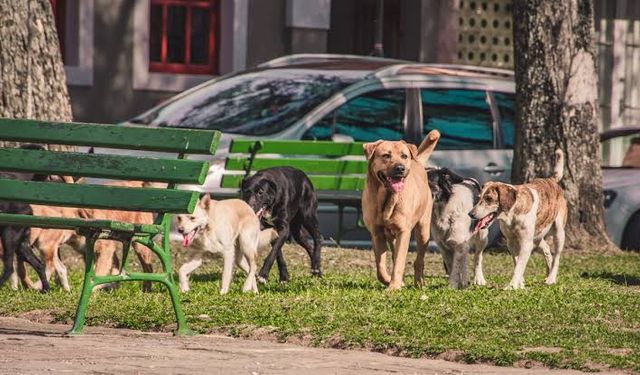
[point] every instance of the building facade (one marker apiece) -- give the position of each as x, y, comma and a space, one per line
124, 56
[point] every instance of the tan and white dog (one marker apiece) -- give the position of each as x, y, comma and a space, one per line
229, 227
396, 201
531, 216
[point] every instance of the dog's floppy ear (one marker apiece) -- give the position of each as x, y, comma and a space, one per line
370, 148
506, 196
413, 150
206, 201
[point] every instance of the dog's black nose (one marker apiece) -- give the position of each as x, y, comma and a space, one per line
471, 215
399, 169
181, 230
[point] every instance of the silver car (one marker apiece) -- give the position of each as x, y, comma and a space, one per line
354, 98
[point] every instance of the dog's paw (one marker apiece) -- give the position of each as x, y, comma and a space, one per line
549, 281
514, 286
316, 273
394, 286
261, 279
184, 288
480, 282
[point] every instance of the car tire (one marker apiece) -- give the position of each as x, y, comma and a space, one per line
631, 236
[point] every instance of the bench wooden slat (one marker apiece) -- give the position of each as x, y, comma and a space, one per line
320, 148
319, 182
110, 136
309, 166
103, 166
98, 196
76, 224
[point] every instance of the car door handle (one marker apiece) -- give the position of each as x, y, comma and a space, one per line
493, 168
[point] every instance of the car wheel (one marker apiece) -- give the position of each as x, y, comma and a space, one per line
631, 236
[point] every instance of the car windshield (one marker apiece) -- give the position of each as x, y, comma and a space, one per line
621, 152
255, 103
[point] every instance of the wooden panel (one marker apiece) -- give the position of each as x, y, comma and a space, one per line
189, 141
309, 166
71, 223
319, 182
103, 166
98, 196
320, 148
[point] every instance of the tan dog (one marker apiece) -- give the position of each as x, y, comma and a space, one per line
396, 200
229, 227
50, 240
531, 216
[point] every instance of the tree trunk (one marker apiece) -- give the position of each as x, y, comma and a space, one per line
32, 79
557, 107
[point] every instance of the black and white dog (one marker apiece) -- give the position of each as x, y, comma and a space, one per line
286, 197
451, 226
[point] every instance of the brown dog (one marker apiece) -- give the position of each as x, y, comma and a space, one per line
531, 216
396, 200
50, 240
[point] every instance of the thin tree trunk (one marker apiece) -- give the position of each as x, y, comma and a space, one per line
32, 78
557, 107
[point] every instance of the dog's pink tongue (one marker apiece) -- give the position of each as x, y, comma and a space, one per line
396, 184
187, 239
481, 223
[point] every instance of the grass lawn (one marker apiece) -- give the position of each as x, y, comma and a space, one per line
590, 320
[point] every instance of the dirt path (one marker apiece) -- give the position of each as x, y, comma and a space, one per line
34, 348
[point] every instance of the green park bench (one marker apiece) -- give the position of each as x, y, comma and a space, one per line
337, 170
170, 168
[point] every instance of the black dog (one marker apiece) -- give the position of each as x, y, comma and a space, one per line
287, 197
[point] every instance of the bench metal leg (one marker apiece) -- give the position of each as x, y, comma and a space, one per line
87, 287
164, 253
166, 278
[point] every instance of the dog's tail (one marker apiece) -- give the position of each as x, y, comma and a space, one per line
558, 170
427, 146
266, 237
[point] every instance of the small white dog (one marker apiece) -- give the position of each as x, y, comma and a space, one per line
229, 227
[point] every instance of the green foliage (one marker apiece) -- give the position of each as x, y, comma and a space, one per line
589, 320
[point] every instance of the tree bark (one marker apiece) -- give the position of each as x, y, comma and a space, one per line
32, 78
557, 107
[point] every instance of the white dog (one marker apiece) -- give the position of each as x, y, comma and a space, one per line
229, 227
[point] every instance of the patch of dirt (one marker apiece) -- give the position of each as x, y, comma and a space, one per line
528, 364
451, 355
29, 347
39, 316
619, 351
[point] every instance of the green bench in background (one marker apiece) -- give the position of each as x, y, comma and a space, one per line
171, 169
337, 170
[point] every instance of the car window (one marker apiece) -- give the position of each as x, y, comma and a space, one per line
506, 108
463, 118
366, 118
255, 103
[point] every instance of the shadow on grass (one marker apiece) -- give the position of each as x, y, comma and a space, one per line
614, 278
210, 276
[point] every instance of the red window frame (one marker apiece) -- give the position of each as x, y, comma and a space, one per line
59, 8
211, 67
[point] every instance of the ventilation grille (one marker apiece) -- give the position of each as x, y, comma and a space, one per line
486, 36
